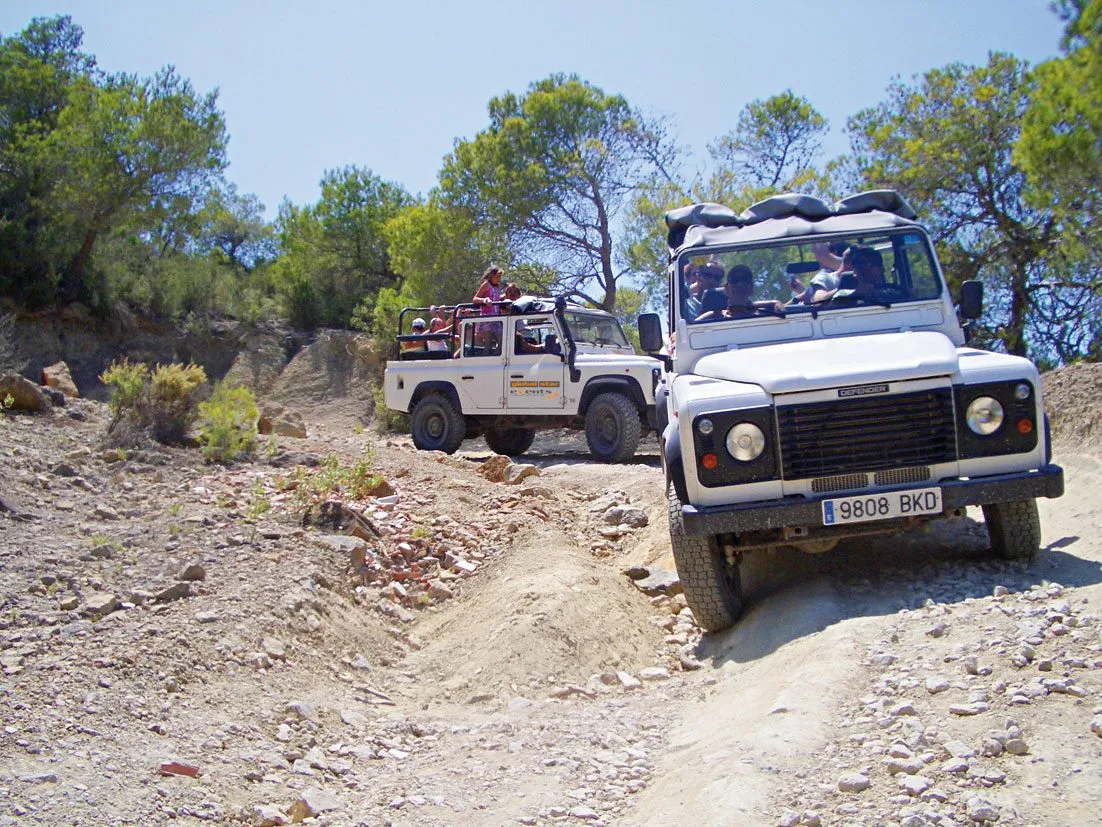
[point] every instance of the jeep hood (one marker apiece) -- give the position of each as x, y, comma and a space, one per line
826, 363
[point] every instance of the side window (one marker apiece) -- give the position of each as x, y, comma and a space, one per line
534, 336
482, 338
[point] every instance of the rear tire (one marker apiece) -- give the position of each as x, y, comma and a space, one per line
512, 442
712, 586
612, 427
1014, 529
436, 425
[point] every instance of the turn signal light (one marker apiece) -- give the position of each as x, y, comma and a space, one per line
709, 461
1025, 427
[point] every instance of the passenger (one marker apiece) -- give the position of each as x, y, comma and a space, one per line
522, 345
488, 295
417, 328
868, 268
511, 292
708, 277
712, 305
440, 321
739, 289
830, 258
823, 293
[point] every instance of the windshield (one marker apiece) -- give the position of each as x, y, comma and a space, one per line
808, 275
595, 329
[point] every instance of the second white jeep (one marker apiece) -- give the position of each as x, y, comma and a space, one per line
536, 364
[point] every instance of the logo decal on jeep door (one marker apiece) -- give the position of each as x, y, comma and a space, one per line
862, 390
529, 387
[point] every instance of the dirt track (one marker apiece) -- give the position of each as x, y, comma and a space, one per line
503, 704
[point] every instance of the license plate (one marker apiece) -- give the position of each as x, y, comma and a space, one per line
866, 507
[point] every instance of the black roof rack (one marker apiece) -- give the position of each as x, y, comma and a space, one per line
807, 207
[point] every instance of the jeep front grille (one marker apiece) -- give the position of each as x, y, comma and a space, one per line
842, 482
850, 436
902, 476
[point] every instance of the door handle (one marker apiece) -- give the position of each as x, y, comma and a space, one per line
516, 375
466, 377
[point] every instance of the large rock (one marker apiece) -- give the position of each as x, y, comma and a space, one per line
516, 474
25, 394
312, 802
495, 468
275, 419
58, 376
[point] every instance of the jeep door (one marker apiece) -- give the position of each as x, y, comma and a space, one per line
481, 364
535, 371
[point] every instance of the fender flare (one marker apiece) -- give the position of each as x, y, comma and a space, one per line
672, 463
622, 384
438, 386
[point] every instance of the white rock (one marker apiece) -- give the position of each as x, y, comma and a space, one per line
628, 682
981, 810
915, 784
581, 811
853, 782
936, 685
654, 673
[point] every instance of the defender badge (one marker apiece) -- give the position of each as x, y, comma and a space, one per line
862, 390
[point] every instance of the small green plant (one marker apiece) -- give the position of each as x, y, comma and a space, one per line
357, 481
271, 447
175, 508
127, 383
260, 504
227, 423
421, 532
9, 401
358, 428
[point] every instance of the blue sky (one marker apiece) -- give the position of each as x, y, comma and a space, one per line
309, 86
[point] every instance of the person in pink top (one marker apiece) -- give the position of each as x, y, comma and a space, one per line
489, 293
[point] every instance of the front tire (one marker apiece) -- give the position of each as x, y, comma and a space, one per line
612, 427
511, 442
712, 586
1014, 529
436, 425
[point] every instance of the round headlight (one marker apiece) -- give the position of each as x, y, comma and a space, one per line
705, 426
745, 442
1022, 391
984, 415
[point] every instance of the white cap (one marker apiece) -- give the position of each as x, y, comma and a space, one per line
521, 324
418, 322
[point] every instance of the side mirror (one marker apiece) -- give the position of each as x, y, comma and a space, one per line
971, 299
650, 332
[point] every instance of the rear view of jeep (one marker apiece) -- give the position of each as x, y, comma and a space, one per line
820, 386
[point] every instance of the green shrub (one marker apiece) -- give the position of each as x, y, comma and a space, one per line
127, 383
227, 423
171, 399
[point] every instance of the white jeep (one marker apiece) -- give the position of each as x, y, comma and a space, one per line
834, 397
535, 364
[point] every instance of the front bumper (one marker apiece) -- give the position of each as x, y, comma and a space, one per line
807, 511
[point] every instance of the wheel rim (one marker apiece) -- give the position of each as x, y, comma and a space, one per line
435, 427
608, 429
